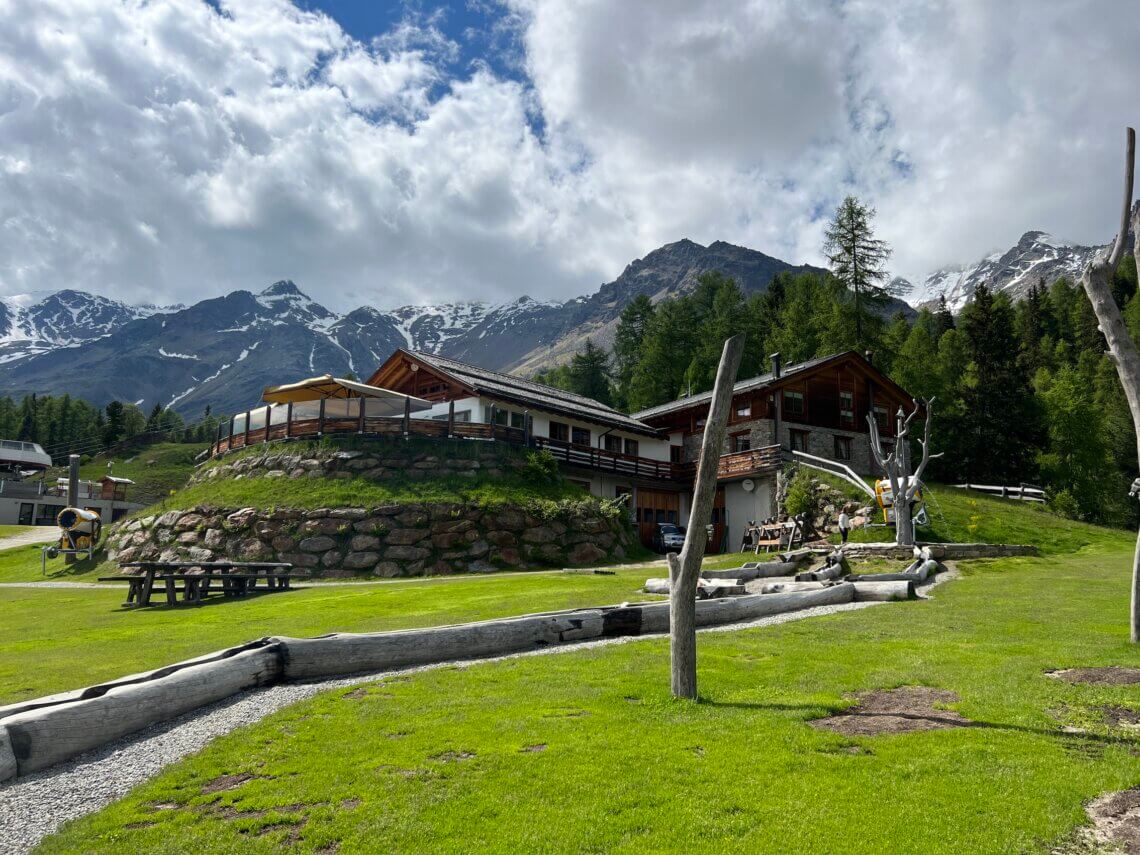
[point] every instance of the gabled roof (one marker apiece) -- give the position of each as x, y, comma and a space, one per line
754, 383
531, 394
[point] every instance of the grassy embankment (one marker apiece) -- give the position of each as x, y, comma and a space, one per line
585, 751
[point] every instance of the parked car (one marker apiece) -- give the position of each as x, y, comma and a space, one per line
668, 537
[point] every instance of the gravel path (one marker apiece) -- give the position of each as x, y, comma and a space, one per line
41, 534
35, 806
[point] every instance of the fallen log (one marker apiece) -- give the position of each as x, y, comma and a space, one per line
884, 591
789, 586
706, 588
45, 735
753, 570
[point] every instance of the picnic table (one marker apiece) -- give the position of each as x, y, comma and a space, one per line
195, 578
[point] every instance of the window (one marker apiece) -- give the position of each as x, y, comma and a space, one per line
518, 420
793, 403
560, 432
799, 440
847, 407
741, 442
647, 514
631, 447
843, 448
500, 416
613, 443
881, 417
463, 415
743, 409
579, 436
677, 453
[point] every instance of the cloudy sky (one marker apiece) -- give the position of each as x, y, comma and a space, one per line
391, 153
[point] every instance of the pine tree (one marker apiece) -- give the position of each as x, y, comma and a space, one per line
999, 428
857, 260
589, 373
944, 318
632, 325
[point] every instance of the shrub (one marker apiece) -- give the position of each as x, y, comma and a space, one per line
801, 494
541, 467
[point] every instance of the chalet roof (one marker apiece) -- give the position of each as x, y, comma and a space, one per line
529, 393
754, 383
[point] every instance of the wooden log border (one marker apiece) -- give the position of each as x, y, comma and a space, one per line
39, 733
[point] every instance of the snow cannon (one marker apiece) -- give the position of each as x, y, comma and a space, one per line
79, 528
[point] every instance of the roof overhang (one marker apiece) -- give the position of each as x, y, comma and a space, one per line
327, 386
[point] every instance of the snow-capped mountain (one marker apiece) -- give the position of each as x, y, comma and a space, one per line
36, 323
1036, 256
223, 351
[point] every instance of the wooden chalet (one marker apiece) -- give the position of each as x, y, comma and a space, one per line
818, 406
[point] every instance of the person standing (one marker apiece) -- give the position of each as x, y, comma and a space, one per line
844, 526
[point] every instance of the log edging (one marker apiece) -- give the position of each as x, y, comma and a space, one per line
39, 733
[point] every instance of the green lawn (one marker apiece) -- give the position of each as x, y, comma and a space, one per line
157, 469
585, 751
9, 530
52, 640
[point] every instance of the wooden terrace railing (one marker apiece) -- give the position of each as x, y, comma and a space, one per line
752, 462
341, 417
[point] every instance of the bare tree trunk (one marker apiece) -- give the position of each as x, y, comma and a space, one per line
896, 466
1097, 282
685, 570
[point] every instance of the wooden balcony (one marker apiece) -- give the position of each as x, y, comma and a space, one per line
587, 457
286, 423
755, 461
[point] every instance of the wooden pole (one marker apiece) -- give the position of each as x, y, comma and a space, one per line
360, 423
321, 418
407, 417
451, 418
289, 420
1097, 282
684, 570
245, 436
72, 491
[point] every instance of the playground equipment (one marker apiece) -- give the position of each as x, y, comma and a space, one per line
881, 494
79, 533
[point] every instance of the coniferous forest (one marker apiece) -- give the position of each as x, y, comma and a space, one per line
1025, 392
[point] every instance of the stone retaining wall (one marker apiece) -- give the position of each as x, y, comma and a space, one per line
395, 540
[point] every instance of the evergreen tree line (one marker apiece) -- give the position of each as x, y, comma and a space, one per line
65, 425
1025, 392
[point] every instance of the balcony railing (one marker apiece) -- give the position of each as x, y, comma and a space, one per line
588, 457
755, 461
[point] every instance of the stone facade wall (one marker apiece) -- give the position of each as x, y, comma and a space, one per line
392, 540
396, 540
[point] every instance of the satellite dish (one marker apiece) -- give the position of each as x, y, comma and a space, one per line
748, 484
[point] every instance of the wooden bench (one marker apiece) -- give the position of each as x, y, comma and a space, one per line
194, 580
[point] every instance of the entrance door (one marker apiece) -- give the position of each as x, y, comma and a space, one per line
653, 507
27, 509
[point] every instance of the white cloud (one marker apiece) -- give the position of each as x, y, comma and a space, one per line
167, 152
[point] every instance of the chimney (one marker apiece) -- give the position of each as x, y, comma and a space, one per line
869, 355
775, 357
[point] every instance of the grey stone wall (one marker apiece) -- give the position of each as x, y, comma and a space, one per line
395, 540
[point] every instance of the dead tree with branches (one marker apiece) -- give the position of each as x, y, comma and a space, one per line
904, 484
684, 570
1097, 282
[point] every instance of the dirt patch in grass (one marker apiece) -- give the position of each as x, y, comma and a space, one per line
226, 782
1115, 827
355, 694
1113, 675
452, 756
1121, 717
903, 710
533, 749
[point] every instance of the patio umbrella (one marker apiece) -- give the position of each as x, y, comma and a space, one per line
389, 403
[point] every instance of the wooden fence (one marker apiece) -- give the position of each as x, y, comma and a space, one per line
1022, 492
